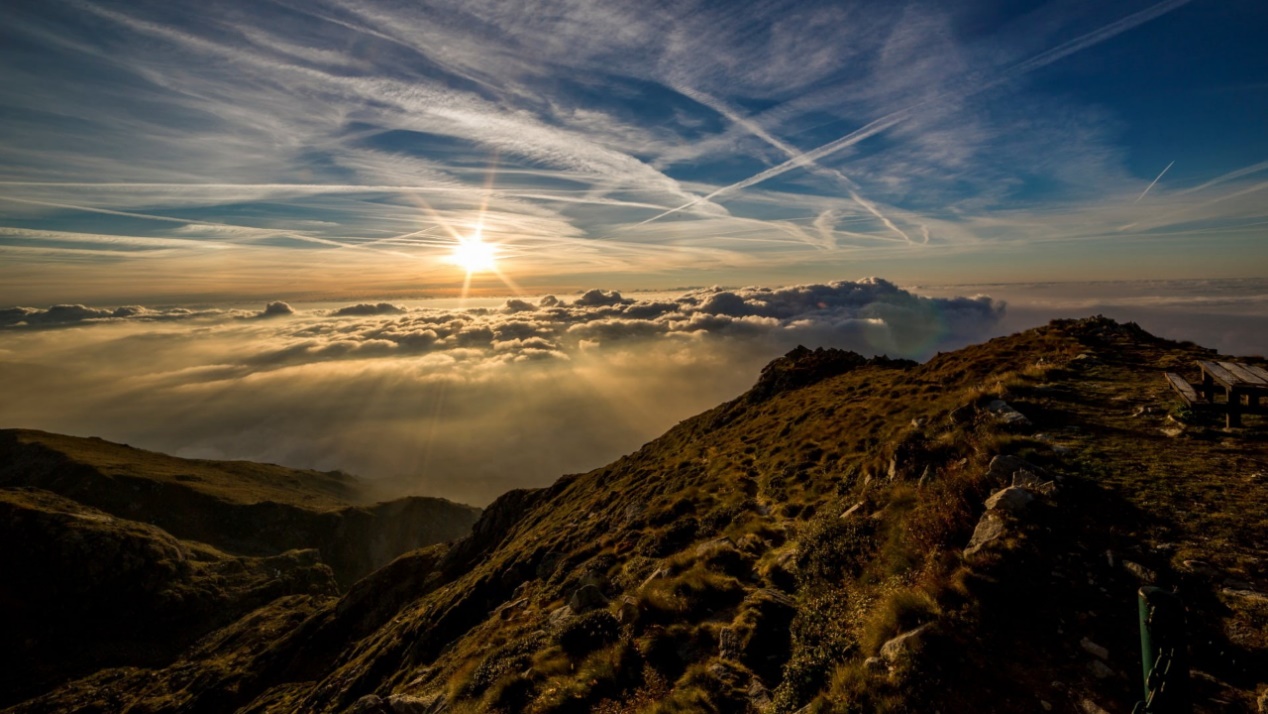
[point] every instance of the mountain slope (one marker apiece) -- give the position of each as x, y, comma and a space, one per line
238, 506
843, 538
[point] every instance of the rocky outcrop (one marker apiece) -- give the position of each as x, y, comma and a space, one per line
803, 367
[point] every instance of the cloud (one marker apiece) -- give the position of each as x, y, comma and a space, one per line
459, 403
277, 309
361, 309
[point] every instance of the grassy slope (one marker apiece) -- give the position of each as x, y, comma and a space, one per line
239, 506
241, 482
772, 473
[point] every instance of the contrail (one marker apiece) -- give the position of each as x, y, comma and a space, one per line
1151, 184
877, 126
791, 152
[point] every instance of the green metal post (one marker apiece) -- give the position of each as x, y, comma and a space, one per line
1163, 652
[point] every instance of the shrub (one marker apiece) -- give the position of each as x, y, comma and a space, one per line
589, 632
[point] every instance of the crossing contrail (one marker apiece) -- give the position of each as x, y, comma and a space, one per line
1151, 184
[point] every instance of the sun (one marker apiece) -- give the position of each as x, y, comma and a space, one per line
473, 255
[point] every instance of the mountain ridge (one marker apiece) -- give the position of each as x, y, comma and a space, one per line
853, 537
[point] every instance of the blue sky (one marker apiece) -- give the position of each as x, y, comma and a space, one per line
179, 151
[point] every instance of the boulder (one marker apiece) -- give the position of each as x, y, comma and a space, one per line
989, 529
903, 645
1013, 499
1005, 414
587, 597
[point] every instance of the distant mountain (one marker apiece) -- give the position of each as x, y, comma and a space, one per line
239, 506
853, 535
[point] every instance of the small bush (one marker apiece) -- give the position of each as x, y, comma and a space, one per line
589, 632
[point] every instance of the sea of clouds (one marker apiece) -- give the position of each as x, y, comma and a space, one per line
460, 403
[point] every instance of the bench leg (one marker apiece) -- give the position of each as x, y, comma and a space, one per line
1234, 409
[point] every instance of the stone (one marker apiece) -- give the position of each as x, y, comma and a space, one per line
657, 574
989, 529
628, 611
1005, 414
369, 704
1090, 707
759, 697
1200, 567
708, 547
407, 704
1140, 572
902, 645
925, 477
560, 615
587, 597
729, 643
1099, 669
549, 562
1013, 499
852, 510
1031, 481
875, 665
1003, 467
1094, 649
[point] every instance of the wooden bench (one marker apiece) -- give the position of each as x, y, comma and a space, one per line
1184, 389
1238, 381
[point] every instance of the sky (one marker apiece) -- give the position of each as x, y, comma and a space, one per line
456, 248
172, 152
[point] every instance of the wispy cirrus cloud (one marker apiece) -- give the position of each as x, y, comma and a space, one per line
667, 143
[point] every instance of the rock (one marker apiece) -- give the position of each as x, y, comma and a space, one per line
759, 697
1031, 481
628, 611
989, 529
902, 645
1013, 499
851, 510
1099, 669
406, 704
1004, 466
1045, 705
1094, 649
587, 597
1140, 572
369, 704
657, 574
1252, 595
505, 612
925, 477
1005, 414
560, 615
547, 565
728, 643
875, 665
1200, 567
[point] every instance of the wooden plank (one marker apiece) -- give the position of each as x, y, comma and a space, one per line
1258, 371
1243, 374
1182, 387
1221, 375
